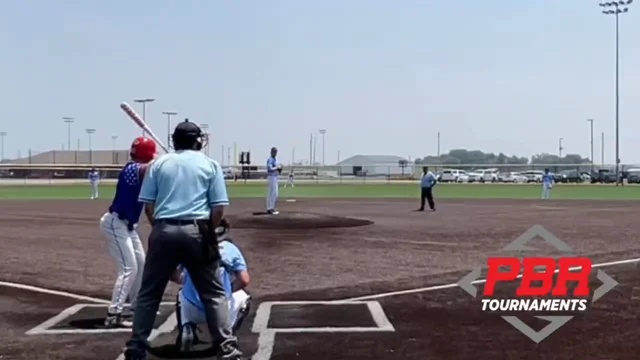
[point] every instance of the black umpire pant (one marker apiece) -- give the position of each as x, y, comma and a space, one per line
172, 243
427, 194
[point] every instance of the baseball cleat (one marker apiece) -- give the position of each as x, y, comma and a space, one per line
116, 321
275, 212
187, 337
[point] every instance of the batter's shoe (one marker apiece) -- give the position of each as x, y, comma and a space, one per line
113, 321
275, 212
187, 337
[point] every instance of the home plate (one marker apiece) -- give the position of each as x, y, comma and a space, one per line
291, 200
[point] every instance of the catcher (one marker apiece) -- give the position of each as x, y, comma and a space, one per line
189, 308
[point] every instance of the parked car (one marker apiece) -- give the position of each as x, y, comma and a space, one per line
570, 176
586, 177
533, 176
604, 176
633, 176
488, 175
454, 175
513, 177
475, 176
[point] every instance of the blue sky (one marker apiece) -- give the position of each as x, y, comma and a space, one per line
383, 77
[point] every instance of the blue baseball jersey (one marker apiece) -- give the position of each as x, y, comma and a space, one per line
272, 166
125, 202
94, 176
232, 262
184, 185
547, 179
427, 180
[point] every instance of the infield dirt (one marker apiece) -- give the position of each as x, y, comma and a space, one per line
56, 244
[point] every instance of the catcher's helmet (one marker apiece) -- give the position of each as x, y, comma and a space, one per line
143, 149
188, 135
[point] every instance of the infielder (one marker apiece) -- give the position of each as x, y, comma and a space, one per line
547, 184
290, 181
94, 180
273, 170
427, 182
190, 311
119, 227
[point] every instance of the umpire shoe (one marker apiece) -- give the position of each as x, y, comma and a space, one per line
116, 321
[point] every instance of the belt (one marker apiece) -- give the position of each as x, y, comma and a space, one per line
176, 222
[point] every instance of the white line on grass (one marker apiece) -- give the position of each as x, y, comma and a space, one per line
479, 281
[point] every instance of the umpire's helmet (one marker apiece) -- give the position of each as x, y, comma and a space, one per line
187, 136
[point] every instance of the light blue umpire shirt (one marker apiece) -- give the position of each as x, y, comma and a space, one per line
184, 185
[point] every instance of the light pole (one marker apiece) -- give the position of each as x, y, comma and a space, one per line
2, 135
322, 132
89, 133
560, 150
616, 8
113, 148
438, 144
602, 150
591, 127
69, 121
169, 114
144, 109
205, 129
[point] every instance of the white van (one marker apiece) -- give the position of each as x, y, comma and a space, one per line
454, 175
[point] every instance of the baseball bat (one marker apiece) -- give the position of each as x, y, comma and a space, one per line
142, 124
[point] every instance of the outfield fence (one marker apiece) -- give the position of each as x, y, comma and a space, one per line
362, 173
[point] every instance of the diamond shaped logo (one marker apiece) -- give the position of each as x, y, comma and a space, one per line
520, 244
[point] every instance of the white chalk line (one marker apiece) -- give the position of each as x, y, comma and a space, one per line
53, 292
266, 335
479, 281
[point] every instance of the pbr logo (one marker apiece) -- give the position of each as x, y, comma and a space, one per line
537, 292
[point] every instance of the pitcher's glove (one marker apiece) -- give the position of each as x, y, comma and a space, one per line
279, 169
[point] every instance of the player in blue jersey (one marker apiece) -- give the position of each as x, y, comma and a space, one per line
547, 184
235, 278
94, 181
273, 170
119, 227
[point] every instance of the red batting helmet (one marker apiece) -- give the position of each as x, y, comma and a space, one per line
143, 149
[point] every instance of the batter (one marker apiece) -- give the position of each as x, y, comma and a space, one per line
119, 227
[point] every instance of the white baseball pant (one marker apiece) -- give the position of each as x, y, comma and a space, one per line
272, 192
125, 247
94, 189
546, 190
191, 314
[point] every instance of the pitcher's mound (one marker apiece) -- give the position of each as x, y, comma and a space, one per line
293, 221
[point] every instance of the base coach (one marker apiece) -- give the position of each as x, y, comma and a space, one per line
184, 194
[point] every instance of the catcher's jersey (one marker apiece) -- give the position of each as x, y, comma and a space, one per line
231, 262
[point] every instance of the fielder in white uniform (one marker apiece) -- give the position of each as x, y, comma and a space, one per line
235, 275
290, 180
94, 181
273, 170
547, 184
118, 226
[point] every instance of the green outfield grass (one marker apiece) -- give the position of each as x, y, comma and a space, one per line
236, 190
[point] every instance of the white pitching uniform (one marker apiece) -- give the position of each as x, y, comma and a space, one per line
94, 181
272, 185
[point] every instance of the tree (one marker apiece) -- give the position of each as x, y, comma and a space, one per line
463, 156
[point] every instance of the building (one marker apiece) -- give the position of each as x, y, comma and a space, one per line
374, 165
94, 157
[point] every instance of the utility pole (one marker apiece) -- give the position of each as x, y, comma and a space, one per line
560, 150
68, 121
205, 129
89, 133
113, 149
311, 149
144, 109
616, 8
2, 135
602, 150
169, 114
293, 156
322, 132
591, 126
315, 147
438, 144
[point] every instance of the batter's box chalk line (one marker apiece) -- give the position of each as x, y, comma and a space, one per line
267, 335
45, 328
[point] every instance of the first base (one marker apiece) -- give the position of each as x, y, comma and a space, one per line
291, 200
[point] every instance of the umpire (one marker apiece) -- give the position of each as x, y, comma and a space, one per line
427, 182
185, 195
